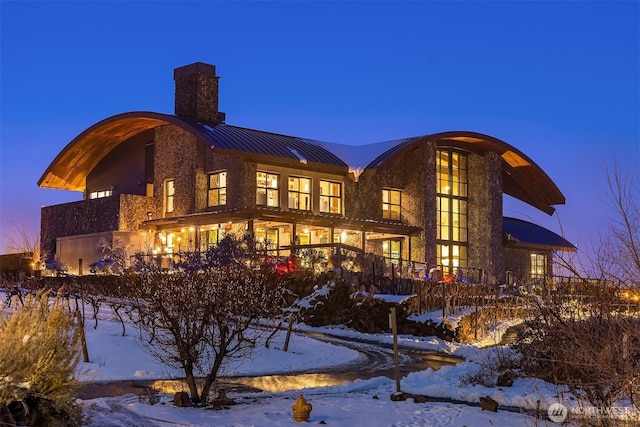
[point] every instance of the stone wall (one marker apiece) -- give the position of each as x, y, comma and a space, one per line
414, 174
181, 157
236, 177
485, 213
116, 213
133, 211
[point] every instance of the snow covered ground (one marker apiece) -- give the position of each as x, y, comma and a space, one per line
114, 357
359, 403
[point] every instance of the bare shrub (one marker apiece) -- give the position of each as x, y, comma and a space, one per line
585, 338
200, 319
38, 357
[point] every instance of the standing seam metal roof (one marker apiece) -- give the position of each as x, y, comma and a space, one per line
271, 144
528, 233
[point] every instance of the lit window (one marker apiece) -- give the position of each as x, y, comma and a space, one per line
266, 238
451, 210
391, 204
168, 196
267, 193
100, 194
218, 189
330, 197
538, 266
210, 237
299, 193
392, 250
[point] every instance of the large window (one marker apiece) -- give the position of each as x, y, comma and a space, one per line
330, 197
391, 204
299, 193
217, 189
538, 266
168, 196
451, 210
267, 189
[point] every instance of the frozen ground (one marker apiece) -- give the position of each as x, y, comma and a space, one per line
115, 357
361, 403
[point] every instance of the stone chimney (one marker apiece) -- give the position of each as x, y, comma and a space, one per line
197, 92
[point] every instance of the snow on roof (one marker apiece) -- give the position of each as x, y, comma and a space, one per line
357, 157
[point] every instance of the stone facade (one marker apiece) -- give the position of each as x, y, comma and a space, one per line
95, 220
485, 213
179, 157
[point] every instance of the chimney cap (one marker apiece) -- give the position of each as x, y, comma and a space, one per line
195, 68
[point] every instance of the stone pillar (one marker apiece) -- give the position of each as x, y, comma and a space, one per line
429, 203
485, 213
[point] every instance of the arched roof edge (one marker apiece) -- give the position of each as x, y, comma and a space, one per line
70, 156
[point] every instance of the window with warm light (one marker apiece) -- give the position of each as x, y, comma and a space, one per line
330, 197
267, 189
169, 192
538, 266
392, 251
299, 193
451, 210
209, 237
391, 201
266, 237
217, 189
100, 194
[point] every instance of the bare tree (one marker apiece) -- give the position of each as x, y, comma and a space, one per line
586, 334
200, 318
28, 244
618, 256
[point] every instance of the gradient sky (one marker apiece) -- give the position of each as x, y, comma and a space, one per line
558, 80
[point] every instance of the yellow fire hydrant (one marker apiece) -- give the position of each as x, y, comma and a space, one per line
301, 409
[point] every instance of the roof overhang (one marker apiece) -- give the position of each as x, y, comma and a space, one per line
268, 214
522, 177
70, 168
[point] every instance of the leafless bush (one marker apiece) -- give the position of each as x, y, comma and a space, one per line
199, 320
585, 338
38, 357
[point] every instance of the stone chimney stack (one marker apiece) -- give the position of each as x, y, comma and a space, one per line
197, 92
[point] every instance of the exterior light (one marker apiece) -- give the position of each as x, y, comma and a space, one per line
192, 229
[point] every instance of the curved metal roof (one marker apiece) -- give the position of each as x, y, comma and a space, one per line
522, 178
527, 233
70, 168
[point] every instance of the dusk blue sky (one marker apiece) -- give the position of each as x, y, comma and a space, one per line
558, 80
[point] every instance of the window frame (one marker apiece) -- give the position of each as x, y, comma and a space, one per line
268, 189
330, 197
388, 251
100, 194
537, 263
217, 192
387, 201
298, 193
169, 196
452, 209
